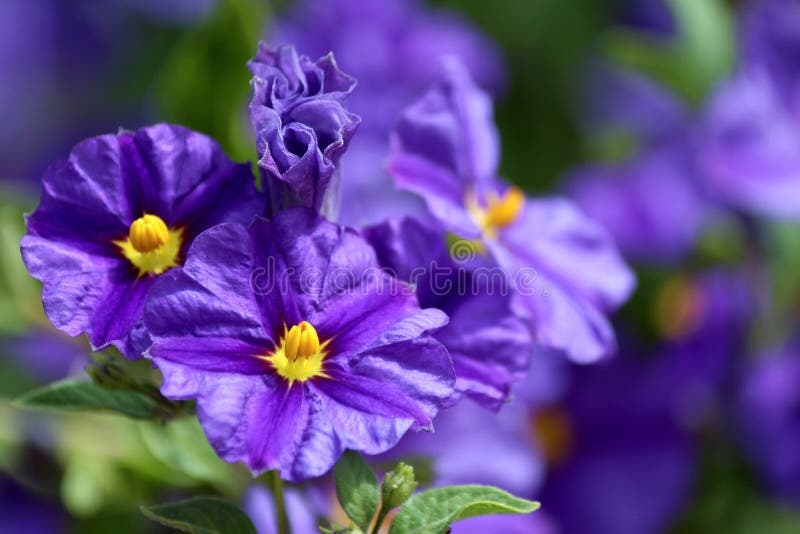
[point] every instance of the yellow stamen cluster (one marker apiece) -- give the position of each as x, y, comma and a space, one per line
302, 340
147, 233
497, 211
299, 354
552, 431
150, 246
680, 306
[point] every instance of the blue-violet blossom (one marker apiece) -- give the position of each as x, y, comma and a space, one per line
566, 270
118, 213
296, 345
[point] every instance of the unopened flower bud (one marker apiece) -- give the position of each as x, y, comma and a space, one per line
398, 485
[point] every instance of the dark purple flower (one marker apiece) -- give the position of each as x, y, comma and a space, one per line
610, 443
393, 48
22, 511
566, 270
490, 346
296, 345
119, 212
704, 321
768, 420
302, 127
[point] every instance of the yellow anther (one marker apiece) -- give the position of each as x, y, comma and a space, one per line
552, 432
680, 306
301, 341
496, 212
147, 233
502, 211
299, 354
150, 246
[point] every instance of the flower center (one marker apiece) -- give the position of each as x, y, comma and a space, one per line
150, 246
552, 430
299, 354
496, 212
147, 233
679, 308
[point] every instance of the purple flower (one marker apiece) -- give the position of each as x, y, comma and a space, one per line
467, 436
770, 39
45, 354
296, 345
609, 444
649, 204
749, 143
302, 127
704, 321
260, 506
24, 511
567, 273
767, 419
651, 201
538, 523
490, 347
393, 48
750, 148
119, 212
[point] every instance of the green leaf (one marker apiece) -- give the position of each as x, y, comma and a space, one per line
691, 64
433, 511
201, 515
707, 46
75, 395
182, 445
357, 489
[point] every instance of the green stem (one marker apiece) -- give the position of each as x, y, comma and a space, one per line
276, 486
382, 513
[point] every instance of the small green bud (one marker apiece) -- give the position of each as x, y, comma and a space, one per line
398, 485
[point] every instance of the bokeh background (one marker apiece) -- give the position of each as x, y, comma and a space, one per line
634, 108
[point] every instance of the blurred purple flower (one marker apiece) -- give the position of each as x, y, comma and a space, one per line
567, 272
57, 89
393, 48
536, 523
768, 420
301, 125
22, 512
610, 443
295, 345
119, 212
648, 204
750, 136
770, 39
651, 202
467, 436
704, 320
44, 354
490, 347
260, 506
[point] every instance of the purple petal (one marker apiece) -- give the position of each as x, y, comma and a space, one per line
750, 148
562, 244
